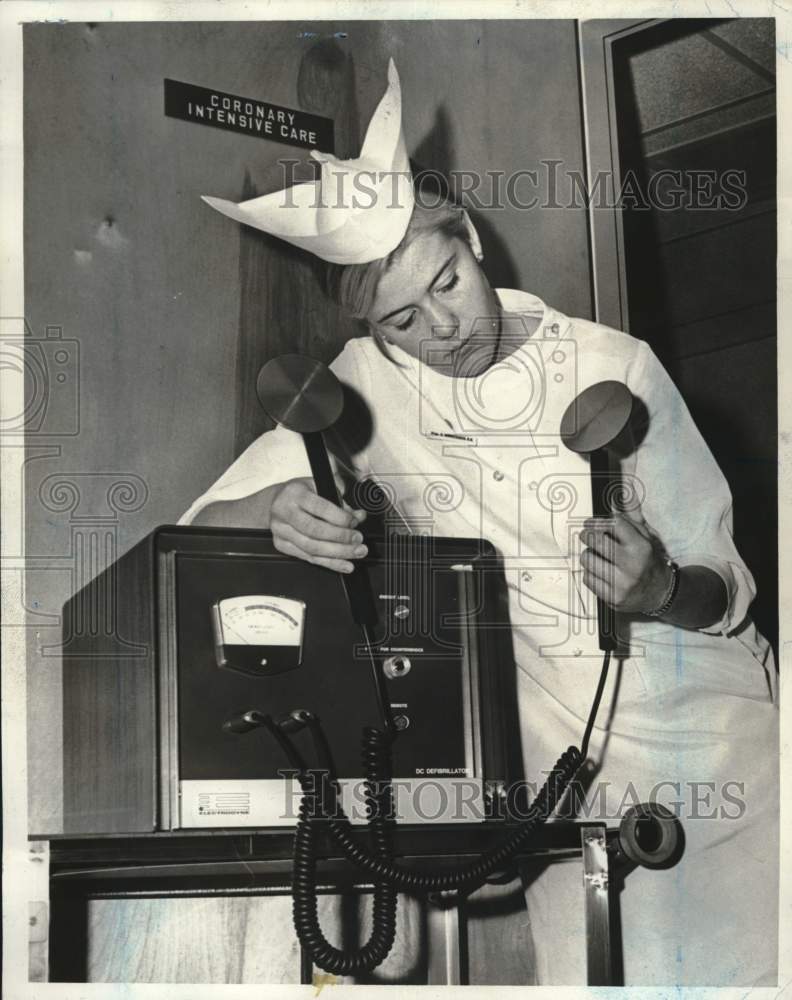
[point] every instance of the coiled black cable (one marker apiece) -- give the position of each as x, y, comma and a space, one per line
467, 877
315, 806
322, 803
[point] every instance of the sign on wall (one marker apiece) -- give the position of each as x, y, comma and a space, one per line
248, 116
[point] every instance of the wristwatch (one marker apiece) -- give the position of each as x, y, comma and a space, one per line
673, 587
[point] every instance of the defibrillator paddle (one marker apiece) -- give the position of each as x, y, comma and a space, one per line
591, 423
303, 395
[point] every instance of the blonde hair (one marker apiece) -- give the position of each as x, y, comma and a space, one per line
354, 286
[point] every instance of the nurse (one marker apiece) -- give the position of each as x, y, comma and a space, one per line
465, 387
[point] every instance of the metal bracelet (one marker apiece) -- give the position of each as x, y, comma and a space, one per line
670, 595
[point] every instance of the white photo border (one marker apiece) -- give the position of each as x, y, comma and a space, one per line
20, 882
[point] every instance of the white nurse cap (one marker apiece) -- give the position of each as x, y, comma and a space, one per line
357, 210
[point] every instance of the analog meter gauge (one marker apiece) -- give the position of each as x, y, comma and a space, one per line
258, 634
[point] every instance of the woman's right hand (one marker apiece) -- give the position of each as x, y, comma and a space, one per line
311, 528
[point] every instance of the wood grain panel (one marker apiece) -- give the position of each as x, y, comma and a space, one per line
252, 940
500, 947
109, 701
225, 940
235, 939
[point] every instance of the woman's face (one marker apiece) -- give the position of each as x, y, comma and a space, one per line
431, 301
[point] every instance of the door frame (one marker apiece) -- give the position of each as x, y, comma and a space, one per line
596, 42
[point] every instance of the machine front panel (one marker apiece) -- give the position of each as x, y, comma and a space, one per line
242, 643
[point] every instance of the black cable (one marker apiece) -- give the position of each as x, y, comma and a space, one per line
473, 874
467, 877
595, 704
322, 802
314, 806
306, 968
380, 688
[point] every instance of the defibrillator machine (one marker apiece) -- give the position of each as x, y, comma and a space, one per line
223, 623
211, 682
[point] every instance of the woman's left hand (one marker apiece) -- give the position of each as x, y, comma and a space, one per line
624, 562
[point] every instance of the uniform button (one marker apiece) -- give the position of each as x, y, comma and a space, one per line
577, 652
526, 576
497, 475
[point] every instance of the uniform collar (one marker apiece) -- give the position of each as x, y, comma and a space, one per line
515, 301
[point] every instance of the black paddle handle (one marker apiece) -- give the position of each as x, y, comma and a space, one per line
603, 481
356, 584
